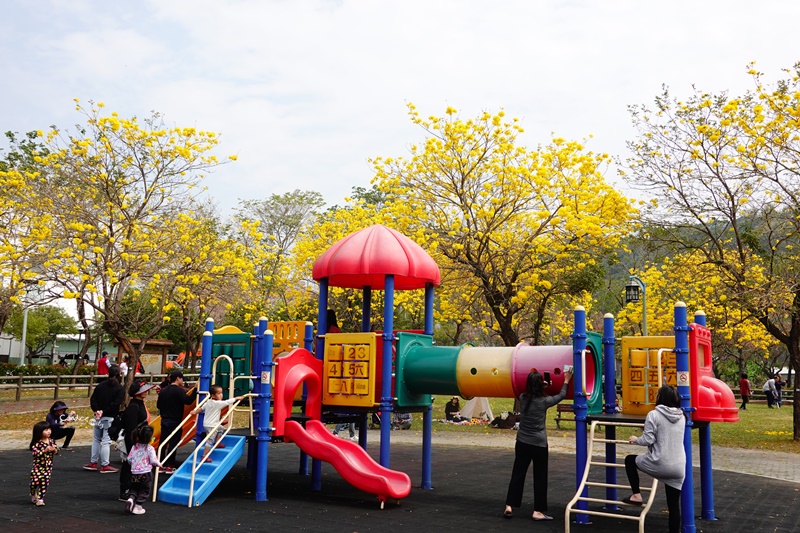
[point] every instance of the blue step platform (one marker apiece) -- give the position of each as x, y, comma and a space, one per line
176, 488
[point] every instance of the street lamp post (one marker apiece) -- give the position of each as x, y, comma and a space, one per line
632, 295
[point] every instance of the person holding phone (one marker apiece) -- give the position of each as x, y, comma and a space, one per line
531, 446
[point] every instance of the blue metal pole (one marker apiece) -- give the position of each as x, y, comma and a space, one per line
386, 389
252, 446
264, 394
366, 309
706, 463
610, 406
308, 344
205, 374
322, 327
427, 415
684, 391
580, 405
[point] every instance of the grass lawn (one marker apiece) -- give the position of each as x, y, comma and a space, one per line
760, 428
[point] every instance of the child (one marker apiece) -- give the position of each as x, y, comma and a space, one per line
142, 458
213, 408
43, 449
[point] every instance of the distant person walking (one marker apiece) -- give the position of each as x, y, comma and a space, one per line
744, 390
102, 367
532, 446
770, 392
779, 384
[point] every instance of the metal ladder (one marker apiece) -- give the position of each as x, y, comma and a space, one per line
585, 483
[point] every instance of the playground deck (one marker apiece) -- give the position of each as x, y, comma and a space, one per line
469, 489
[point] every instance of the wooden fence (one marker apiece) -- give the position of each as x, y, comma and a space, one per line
69, 382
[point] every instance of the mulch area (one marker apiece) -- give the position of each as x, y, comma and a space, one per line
469, 490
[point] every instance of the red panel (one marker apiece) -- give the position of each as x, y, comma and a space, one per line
299, 367
712, 399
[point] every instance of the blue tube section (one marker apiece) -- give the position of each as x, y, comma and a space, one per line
386, 386
684, 391
580, 406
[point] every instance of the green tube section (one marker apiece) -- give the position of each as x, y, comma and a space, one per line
431, 369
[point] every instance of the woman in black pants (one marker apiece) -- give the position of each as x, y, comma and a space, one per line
532, 445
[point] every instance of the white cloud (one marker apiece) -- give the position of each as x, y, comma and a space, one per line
306, 92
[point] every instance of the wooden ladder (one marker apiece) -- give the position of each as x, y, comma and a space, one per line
585, 483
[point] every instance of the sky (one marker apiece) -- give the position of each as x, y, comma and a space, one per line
306, 92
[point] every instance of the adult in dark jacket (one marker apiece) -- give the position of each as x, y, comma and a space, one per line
531, 445
59, 420
171, 402
106, 401
135, 414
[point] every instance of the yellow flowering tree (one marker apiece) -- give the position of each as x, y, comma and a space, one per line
123, 196
520, 230
724, 170
24, 226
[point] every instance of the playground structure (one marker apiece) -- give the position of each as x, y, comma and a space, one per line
349, 375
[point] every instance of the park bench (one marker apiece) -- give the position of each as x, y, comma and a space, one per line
564, 413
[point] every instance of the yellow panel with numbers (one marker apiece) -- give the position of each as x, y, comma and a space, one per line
349, 369
640, 361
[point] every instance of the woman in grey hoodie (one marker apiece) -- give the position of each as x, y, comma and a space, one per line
665, 459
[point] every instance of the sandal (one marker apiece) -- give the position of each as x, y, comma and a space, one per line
543, 517
627, 499
39, 503
508, 514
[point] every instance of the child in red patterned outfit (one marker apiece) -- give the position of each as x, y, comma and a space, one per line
43, 449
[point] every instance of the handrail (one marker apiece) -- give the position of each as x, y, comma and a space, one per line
583, 371
202, 444
585, 483
163, 441
660, 369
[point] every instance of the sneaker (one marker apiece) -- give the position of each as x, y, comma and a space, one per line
34, 499
169, 470
129, 504
220, 446
66, 449
90, 466
39, 503
108, 469
208, 460
354, 438
138, 510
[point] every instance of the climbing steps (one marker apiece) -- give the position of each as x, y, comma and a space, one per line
178, 488
579, 503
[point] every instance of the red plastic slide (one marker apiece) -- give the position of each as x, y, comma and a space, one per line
349, 459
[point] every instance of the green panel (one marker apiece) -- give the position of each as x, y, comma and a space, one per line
426, 369
237, 347
594, 342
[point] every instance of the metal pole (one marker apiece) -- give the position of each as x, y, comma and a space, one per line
684, 391
644, 302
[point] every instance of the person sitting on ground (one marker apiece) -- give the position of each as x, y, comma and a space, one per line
213, 409
452, 411
402, 421
59, 422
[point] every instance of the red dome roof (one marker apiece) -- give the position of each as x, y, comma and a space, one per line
364, 258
